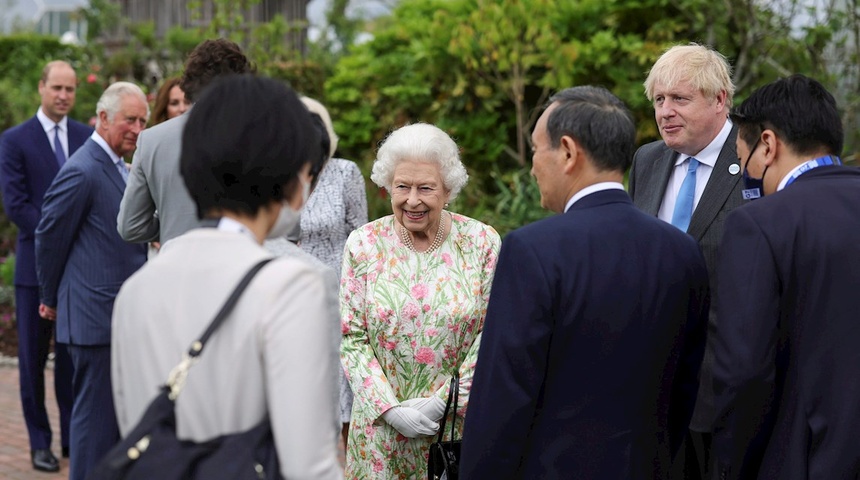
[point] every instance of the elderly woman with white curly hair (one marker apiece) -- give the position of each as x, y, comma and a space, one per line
414, 291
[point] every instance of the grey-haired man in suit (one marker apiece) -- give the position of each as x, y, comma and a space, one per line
156, 205
691, 179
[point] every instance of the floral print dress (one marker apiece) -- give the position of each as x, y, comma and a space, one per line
409, 321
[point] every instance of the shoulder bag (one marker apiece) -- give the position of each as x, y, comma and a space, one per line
152, 450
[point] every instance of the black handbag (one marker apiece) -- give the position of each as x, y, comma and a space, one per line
443, 463
152, 451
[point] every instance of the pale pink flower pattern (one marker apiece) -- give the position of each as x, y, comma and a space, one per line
419, 291
425, 355
411, 320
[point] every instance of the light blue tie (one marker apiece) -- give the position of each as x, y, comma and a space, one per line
58, 147
684, 203
122, 170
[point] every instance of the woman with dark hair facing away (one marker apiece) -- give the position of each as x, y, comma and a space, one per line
245, 161
170, 102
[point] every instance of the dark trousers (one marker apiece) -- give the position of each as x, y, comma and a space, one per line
697, 459
94, 427
34, 340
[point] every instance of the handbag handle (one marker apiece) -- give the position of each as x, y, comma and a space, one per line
176, 379
453, 393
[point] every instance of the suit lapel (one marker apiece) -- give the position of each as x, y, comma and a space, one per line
662, 172
43, 146
108, 167
717, 191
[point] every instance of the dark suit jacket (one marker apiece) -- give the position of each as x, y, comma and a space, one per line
649, 176
591, 347
787, 375
81, 259
27, 167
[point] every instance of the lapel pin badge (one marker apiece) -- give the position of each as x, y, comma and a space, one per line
734, 169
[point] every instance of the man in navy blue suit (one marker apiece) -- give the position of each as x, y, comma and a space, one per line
30, 157
595, 326
787, 342
81, 263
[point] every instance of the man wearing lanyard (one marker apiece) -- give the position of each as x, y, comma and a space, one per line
787, 339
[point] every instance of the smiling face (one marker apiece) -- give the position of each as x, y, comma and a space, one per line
418, 196
121, 131
177, 103
687, 119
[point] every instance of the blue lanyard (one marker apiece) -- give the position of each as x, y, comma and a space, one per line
818, 162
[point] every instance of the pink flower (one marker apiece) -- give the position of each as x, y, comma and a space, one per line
420, 291
432, 332
425, 355
390, 346
426, 308
446, 257
91, 78
377, 465
410, 311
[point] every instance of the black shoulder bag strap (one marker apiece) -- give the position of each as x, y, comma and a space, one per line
177, 376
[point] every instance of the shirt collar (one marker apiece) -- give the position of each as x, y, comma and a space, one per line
227, 224
711, 153
103, 143
49, 124
597, 187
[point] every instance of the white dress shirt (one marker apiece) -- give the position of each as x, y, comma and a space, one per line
707, 159
597, 187
49, 125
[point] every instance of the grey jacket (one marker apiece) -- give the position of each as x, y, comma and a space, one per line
156, 205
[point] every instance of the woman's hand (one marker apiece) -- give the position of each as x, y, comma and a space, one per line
410, 422
432, 407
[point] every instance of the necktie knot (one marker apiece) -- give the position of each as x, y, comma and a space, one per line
692, 165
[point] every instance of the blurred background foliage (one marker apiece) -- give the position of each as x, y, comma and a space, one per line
479, 69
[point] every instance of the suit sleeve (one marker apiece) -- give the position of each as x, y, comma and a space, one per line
137, 220
355, 198
511, 364
65, 205
685, 386
371, 388
17, 200
745, 344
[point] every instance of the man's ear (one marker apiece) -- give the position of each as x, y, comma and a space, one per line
772, 146
571, 153
721, 99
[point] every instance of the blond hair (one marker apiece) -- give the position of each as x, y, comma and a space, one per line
706, 69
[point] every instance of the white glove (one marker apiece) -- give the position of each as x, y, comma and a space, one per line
432, 407
410, 422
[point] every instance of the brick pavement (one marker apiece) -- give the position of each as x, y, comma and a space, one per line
14, 444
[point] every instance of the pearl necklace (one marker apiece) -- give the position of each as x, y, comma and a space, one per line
437, 242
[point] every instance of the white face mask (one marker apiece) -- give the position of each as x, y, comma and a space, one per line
289, 219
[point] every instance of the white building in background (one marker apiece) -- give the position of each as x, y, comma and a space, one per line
47, 17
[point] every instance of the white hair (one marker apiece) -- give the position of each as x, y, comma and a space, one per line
110, 100
420, 142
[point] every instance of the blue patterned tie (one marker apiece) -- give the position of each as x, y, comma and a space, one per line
684, 203
58, 147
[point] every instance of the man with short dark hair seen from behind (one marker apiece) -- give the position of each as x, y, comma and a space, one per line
156, 206
595, 327
787, 342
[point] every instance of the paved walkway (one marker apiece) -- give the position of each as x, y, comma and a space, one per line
14, 444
